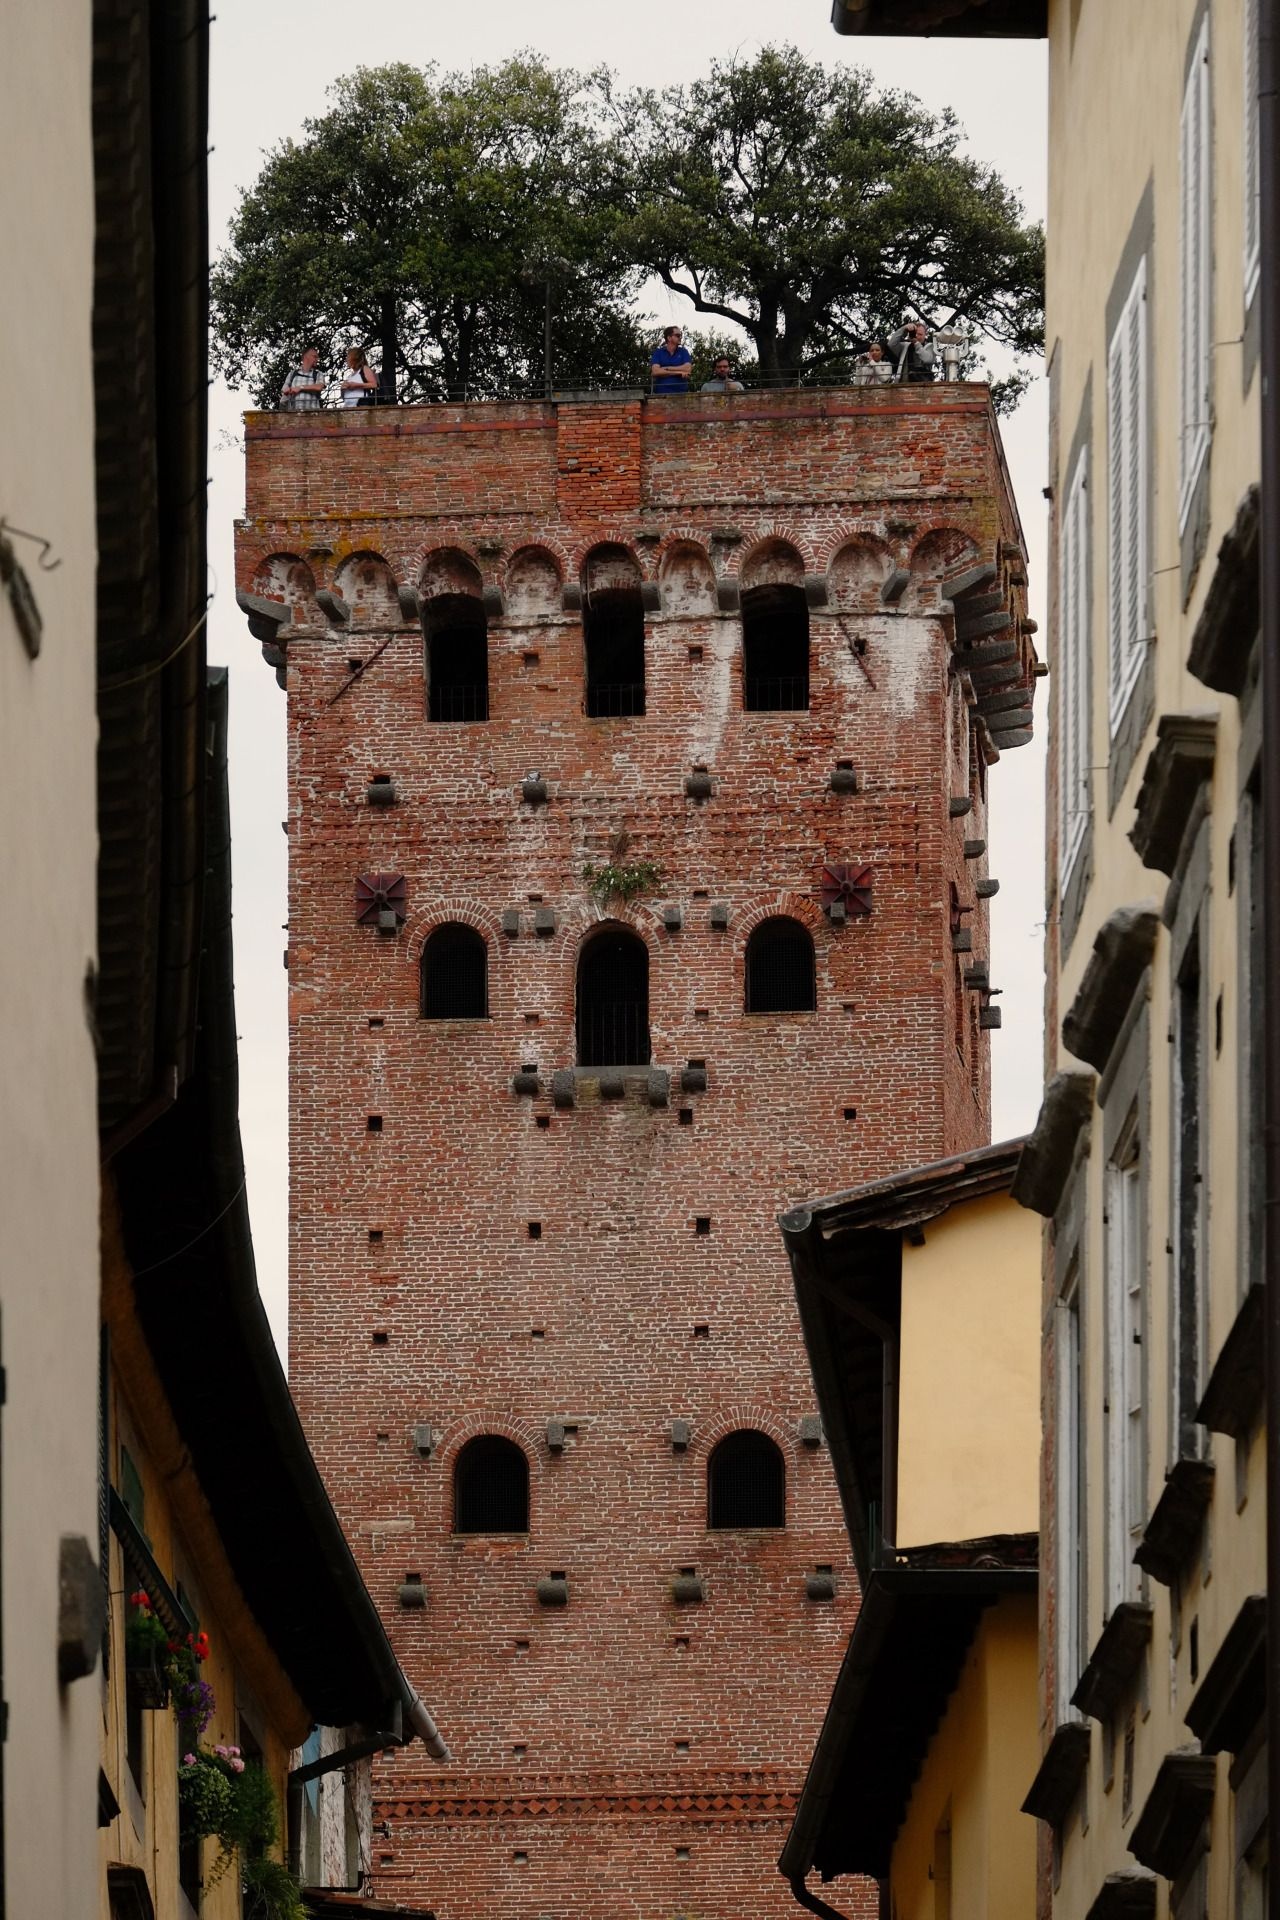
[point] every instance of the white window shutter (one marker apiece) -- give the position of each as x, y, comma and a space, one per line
1115, 518
1073, 632
1196, 274
1128, 485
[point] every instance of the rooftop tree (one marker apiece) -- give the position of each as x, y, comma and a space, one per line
794, 201
426, 216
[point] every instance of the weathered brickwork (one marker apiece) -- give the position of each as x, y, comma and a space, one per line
468, 1258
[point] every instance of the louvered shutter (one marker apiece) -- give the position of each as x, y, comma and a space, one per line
1128, 487
1195, 273
1073, 763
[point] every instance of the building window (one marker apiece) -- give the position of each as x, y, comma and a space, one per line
1190, 1093
613, 636
491, 1487
1125, 1447
775, 648
1197, 272
1252, 157
613, 1000
1069, 1501
1074, 791
1128, 434
780, 968
746, 1482
454, 974
457, 640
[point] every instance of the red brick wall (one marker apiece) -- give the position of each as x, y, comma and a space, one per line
643, 1757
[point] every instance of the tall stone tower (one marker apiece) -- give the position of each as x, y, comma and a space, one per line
638, 790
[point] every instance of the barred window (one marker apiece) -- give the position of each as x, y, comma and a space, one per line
780, 968
491, 1487
775, 649
454, 974
746, 1482
613, 634
613, 1000
457, 640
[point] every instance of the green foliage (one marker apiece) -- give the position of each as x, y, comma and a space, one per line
253, 1823
794, 201
270, 1891
204, 1798
622, 880
427, 215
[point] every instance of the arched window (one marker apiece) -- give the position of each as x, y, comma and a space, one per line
613, 634
457, 640
613, 1000
491, 1487
775, 648
780, 968
746, 1482
454, 969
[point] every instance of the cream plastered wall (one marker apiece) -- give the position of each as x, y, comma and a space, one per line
145, 1831
969, 1381
48, 852
1116, 87
975, 1776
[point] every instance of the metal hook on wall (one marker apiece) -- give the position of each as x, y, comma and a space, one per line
46, 546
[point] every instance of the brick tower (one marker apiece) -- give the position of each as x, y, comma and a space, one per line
638, 776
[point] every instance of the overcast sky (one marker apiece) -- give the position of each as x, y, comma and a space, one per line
272, 64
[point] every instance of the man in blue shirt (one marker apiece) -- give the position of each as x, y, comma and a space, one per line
670, 364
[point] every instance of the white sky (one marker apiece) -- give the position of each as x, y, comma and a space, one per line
272, 63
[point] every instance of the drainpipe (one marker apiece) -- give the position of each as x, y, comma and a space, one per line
1269, 694
812, 1902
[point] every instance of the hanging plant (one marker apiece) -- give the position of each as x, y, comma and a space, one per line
146, 1653
621, 879
270, 1891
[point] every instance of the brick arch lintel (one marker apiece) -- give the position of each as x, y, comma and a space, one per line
775, 532
856, 534
739, 1418
470, 1426
444, 913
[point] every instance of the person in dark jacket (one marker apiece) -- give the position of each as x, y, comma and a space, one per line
912, 352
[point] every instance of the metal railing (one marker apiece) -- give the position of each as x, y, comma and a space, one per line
592, 389
776, 695
463, 701
615, 1035
620, 701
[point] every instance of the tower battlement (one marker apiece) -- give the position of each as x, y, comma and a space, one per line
639, 754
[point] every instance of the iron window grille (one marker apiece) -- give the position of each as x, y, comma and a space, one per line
775, 649
457, 642
613, 638
613, 1001
455, 974
491, 1487
780, 968
746, 1482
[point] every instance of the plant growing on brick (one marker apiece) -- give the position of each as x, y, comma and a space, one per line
620, 878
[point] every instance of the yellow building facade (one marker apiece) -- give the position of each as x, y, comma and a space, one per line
919, 1302
1144, 1162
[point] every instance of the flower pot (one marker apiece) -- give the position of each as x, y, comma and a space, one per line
146, 1678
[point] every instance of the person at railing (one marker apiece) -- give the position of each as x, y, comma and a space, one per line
873, 368
359, 382
722, 380
670, 365
912, 352
301, 391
